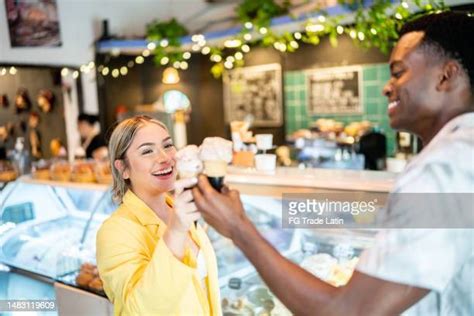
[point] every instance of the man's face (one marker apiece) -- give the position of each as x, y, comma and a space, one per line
411, 91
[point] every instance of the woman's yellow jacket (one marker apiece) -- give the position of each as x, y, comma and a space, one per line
140, 274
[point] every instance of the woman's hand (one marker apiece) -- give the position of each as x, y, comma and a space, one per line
181, 218
185, 211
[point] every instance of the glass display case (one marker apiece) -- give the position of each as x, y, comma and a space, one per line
49, 228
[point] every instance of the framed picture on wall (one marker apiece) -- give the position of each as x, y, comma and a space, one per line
33, 23
254, 92
334, 90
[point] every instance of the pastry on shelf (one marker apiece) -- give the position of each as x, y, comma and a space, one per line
96, 284
89, 268
103, 172
84, 278
40, 169
60, 171
83, 171
7, 171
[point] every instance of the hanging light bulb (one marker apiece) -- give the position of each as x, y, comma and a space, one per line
170, 76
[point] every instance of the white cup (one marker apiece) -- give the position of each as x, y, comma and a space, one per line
395, 164
265, 162
264, 141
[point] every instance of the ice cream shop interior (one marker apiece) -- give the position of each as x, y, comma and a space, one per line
266, 97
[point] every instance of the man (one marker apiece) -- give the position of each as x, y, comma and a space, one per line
421, 271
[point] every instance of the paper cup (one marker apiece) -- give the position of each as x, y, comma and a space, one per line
264, 141
265, 162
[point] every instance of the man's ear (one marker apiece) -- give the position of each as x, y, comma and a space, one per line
450, 72
122, 168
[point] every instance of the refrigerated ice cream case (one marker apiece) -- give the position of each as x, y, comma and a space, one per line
48, 230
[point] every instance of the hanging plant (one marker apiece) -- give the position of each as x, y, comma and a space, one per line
376, 26
167, 37
261, 12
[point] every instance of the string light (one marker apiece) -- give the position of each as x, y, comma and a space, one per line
123, 70
405, 5
232, 43
151, 46
75, 74
115, 73
176, 64
216, 58
353, 34
263, 30
164, 43
206, 50
228, 65
245, 48
183, 65
248, 25
239, 56
247, 36
139, 60
64, 72
297, 35
315, 28
339, 29
164, 60
398, 16
13, 71
361, 36
130, 64
3, 72
373, 31
294, 44
186, 55
105, 71
146, 53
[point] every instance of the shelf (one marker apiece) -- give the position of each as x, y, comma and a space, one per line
279, 25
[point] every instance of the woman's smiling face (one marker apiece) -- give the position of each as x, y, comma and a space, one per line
150, 160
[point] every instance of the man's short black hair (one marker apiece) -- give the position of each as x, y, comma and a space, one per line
447, 35
91, 119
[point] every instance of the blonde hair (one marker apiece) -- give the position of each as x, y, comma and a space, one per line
120, 141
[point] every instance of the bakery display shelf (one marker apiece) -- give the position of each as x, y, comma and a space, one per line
70, 279
66, 184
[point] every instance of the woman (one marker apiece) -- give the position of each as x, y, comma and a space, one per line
92, 142
151, 257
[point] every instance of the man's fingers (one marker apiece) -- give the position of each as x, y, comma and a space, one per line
225, 189
234, 194
205, 186
182, 184
199, 200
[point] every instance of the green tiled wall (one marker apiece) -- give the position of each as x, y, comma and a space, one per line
374, 78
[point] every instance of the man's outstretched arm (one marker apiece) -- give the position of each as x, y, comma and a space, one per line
299, 290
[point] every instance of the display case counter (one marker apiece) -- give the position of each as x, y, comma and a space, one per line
49, 228
312, 179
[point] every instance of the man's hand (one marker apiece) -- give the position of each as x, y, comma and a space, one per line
223, 211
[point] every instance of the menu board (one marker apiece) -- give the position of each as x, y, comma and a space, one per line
334, 90
254, 93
